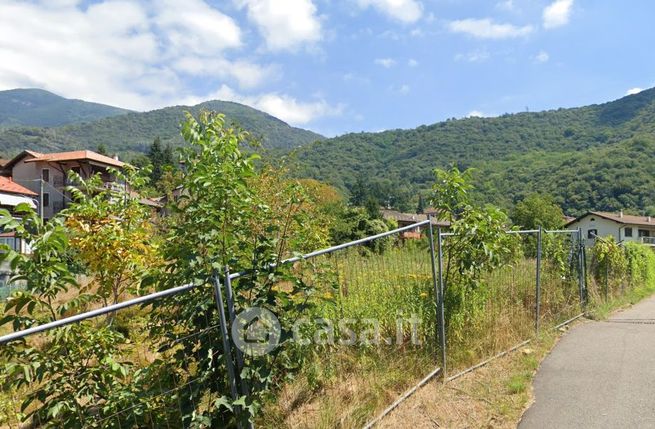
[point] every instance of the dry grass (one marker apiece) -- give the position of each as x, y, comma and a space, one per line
493, 396
350, 396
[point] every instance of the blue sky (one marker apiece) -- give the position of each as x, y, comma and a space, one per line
333, 66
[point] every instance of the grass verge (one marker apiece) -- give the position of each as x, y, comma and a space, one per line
494, 395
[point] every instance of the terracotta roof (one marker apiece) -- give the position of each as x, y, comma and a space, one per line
76, 156
18, 157
8, 186
410, 217
620, 218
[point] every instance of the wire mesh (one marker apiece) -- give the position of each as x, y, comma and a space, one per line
127, 369
560, 279
493, 313
363, 327
369, 306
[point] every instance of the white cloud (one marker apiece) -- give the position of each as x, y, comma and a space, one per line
542, 57
406, 11
285, 25
282, 106
136, 55
473, 57
385, 62
557, 13
412, 62
402, 89
246, 74
488, 29
476, 114
633, 91
192, 26
505, 5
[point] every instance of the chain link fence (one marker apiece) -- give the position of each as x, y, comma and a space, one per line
383, 313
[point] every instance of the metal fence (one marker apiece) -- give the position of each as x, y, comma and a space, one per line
378, 302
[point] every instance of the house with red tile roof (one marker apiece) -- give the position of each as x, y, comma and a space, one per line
11, 195
46, 174
623, 227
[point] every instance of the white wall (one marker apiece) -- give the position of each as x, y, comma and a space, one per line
607, 227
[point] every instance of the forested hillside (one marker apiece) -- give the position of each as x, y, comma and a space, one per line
36, 107
135, 131
595, 157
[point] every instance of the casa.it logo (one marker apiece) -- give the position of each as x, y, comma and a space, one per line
256, 331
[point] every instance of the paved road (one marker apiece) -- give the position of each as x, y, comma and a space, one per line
599, 375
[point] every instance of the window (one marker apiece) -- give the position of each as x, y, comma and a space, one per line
627, 232
592, 233
45, 175
643, 233
46, 199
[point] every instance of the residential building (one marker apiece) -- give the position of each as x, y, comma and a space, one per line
406, 219
11, 195
622, 227
46, 174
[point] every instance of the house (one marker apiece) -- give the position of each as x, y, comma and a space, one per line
11, 195
406, 219
622, 227
46, 174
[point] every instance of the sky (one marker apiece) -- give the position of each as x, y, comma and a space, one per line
333, 66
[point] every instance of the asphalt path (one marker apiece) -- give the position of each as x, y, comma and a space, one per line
601, 374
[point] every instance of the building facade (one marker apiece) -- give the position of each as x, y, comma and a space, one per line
621, 226
46, 175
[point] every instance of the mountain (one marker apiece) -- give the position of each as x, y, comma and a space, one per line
36, 107
134, 131
596, 157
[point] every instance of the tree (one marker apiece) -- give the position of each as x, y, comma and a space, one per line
536, 211
161, 161
420, 208
113, 235
223, 220
102, 149
66, 372
156, 156
479, 242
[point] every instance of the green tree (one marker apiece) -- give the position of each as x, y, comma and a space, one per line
536, 211
102, 149
64, 373
223, 221
112, 234
156, 155
420, 208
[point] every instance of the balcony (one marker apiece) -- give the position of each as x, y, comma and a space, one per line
649, 241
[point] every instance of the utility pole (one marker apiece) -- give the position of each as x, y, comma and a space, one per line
41, 198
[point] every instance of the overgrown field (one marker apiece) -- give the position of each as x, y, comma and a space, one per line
326, 341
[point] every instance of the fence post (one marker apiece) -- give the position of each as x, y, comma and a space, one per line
245, 389
607, 277
537, 307
441, 308
437, 293
227, 349
581, 271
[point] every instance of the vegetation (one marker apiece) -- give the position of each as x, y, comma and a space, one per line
39, 108
132, 133
536, 211
356, 326
595, 157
